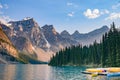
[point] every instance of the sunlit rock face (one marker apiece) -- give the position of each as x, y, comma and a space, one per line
27, 36
8, 52
30, 30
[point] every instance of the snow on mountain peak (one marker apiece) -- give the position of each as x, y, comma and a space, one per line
27, 18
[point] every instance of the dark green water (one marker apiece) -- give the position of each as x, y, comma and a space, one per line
42, 72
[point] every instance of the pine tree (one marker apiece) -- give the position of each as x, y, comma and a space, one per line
106, 53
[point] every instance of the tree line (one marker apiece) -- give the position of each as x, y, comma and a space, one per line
106, 53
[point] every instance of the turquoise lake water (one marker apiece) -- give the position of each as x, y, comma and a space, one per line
43, 72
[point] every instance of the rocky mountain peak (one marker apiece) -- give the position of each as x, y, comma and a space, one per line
50, 29
76, 32
105, 27
24, 25
29, 31
27, 20
65, 32
101, 30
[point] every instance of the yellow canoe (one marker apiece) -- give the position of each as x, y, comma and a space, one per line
103, 69
114, 70
94, 70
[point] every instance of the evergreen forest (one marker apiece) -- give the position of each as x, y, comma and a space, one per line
104, 54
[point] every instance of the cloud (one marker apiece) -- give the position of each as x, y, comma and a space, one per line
6, 6
1, 9
105, 11
116, 6
71, 14
95, 13
113, 16
2, 20
92, 14
5, 19
1, 6
69, 4
72, 4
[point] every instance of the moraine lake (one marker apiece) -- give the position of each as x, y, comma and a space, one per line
42, 72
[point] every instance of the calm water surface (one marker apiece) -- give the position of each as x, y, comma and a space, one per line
41, 72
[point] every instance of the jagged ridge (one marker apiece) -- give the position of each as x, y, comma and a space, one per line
27, 36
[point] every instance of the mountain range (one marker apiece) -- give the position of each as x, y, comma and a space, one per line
40, 43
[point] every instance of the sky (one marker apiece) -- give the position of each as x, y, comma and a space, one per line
70, 15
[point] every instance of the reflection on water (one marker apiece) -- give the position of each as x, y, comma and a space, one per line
9, 72
42, 72
39, 72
